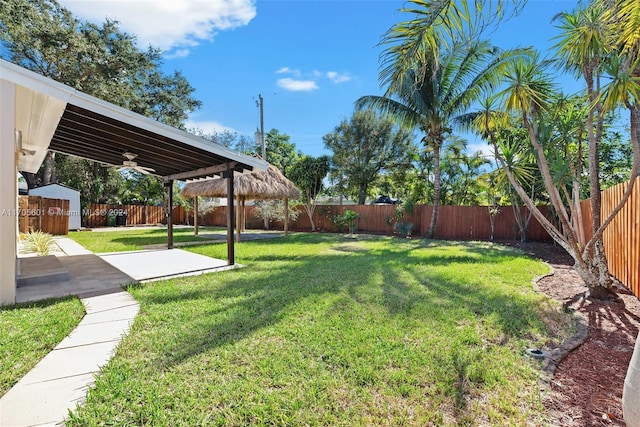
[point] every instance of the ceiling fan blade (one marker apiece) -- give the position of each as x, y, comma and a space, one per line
144, 170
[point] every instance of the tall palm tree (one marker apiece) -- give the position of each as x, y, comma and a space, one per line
432, 95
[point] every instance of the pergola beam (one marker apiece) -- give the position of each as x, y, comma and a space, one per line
202, 172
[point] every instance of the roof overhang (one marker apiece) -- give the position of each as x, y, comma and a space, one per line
54, 116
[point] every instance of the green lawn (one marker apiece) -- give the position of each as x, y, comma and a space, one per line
325, 330
135, 240
29, 331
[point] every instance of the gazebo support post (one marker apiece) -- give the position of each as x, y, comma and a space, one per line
196, 224
230, 217
242, 211
238, 219
286, 217
170, 215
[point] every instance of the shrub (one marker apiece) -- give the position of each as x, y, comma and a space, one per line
404, 228
349, 219
37, 242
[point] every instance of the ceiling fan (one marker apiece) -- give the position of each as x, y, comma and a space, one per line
129, 164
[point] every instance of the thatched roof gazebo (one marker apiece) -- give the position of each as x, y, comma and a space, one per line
262, 185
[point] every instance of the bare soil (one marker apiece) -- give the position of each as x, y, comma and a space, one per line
587, 383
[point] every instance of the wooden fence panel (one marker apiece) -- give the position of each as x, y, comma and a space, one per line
98, 214
587, 218
622, 236
23, 218
455, 222
474, 223
42, 214
55, 216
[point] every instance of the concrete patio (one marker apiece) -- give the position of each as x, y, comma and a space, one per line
76, 271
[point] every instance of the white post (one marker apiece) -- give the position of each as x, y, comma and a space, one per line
8, 194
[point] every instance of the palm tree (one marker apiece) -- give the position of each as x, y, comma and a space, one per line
435, 26
602, 40
447, 89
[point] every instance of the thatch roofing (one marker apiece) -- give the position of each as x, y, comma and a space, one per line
262, 185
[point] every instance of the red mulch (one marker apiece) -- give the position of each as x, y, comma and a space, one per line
586, 389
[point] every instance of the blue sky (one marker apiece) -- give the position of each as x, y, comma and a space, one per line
310, 60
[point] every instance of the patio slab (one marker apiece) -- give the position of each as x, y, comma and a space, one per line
162, 264
88, 272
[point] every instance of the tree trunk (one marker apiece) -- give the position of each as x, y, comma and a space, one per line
49, 173
436, 192
594, 271
362, 194
310, 210
31, 178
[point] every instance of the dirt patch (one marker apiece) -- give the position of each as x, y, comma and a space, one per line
586, 388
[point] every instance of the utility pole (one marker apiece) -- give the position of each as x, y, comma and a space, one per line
260, 104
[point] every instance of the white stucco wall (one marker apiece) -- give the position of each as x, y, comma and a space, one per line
8, 194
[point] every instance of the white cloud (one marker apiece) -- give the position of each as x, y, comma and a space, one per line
287, 70
168, 24
297, 85
337, 77
487, 151
311, 79
207, 126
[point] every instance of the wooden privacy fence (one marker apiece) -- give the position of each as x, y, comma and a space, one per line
454, 222
103, 215
622, 236
37, 213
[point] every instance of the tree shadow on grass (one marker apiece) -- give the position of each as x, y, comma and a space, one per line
231, 306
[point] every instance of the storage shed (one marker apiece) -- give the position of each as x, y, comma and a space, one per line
59, 191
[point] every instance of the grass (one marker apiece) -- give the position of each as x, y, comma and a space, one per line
135, 240
29, 331
325, 330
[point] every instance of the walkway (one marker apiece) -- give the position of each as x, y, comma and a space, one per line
60, 381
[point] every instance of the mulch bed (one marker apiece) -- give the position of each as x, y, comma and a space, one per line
586, 388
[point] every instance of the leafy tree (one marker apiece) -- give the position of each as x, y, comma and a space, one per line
225, 137
281, 152
96, 183
616, 160
274, 210
365, 146
461, 172
100, 60
431, 100
141, 189
308, 174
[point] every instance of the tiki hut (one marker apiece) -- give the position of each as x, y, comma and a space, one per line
262, 185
